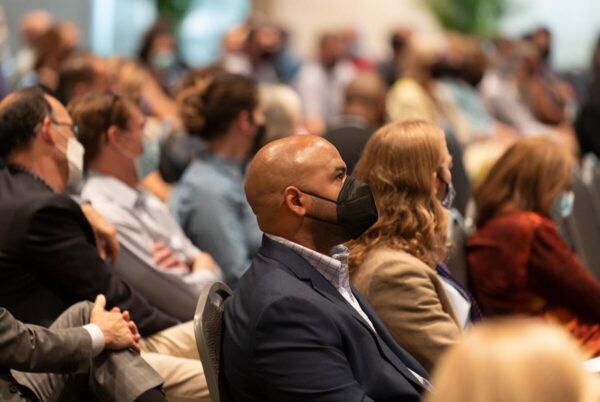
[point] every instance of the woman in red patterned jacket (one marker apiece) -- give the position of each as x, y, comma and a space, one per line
518, 262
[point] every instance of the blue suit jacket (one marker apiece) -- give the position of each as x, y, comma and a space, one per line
290, 336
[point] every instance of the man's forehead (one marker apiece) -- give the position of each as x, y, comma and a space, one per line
325, 158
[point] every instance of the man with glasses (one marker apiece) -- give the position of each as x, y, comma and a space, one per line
48, 256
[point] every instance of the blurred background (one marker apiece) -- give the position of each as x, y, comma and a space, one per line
116, 27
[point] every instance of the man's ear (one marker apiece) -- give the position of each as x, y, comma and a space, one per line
111, 134
295, 200
45, 131
243, 121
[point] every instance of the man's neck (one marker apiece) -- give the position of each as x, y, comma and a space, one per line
42, 166
119, 169
231, 146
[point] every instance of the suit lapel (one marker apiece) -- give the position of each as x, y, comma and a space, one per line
392, 351
299, 267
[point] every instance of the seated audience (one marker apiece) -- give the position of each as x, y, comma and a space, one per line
518, 262
321, 83
160, 54
397, 264
516, 361
209, 201
283, 112
111, 132
49, 257
416, 94
261, 53
79, 74
180, 148
391, 69
295, 330
517, 93
135, 82
364, 112
83, 352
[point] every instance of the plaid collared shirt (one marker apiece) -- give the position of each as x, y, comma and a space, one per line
333, 267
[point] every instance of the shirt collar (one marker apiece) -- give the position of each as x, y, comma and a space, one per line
113, 188
334, 267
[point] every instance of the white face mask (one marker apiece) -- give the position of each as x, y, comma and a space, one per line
74, 155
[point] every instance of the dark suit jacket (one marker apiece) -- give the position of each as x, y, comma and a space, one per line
349, 136
35, 349
290, 336
49, 260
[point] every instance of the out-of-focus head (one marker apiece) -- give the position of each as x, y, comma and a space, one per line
283, 111
542, 38
159, 48
79, 74
528, 177
399, 40
107, 123
406, 164
34, 24
423, 52
70, 35
220, 103
235, 39
196, 76
265, 41
513, 360
127, 77
365, 97
526, 58
332, 48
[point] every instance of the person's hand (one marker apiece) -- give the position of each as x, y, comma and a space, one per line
204, 261
120, 332
165, 257
106, 234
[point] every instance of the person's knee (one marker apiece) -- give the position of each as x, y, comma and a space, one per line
75, 316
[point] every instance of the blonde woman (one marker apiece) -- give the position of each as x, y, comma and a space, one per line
516, 361
396, 263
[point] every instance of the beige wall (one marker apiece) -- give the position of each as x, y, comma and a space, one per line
374, 19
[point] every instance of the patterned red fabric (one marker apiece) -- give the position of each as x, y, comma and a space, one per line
519, 264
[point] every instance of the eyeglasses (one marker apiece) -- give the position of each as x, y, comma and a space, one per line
73, 127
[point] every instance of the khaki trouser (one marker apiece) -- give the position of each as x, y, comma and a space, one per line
173, 354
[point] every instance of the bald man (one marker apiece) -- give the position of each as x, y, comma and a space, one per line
295, 330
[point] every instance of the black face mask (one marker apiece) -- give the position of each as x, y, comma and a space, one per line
356, 208
261, 133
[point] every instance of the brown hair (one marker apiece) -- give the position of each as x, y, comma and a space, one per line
211, 105
94, 114
515, 360
398, 164
528, 177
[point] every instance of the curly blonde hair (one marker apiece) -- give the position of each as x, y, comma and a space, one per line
398, 164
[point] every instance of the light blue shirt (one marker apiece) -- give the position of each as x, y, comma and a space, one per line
210, 205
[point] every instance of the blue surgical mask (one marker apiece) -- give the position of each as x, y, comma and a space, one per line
163, 59
148, 162
563, 204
